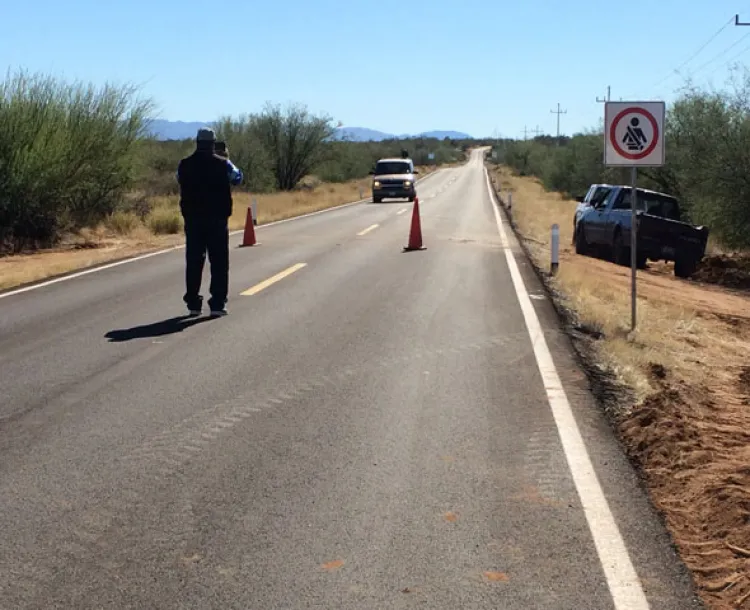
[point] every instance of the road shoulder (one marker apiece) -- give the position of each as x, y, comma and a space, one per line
663, 576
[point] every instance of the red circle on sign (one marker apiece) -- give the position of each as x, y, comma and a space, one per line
654, 140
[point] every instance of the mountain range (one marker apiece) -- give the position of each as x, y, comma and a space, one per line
162, 129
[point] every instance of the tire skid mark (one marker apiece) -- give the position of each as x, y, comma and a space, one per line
544, 469
99, 537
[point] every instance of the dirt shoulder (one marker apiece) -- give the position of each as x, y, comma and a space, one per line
103, 245
684, 379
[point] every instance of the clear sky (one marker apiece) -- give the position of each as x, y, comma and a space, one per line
486, 67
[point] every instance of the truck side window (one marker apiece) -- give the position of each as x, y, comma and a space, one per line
623, 201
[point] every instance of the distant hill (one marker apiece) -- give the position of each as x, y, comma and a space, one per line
363, 134
174, 130
180, 130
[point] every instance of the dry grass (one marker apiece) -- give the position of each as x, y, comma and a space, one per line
92, 248
690, 427
124, 234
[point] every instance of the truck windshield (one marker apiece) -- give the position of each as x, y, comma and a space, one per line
599, 195
392, 167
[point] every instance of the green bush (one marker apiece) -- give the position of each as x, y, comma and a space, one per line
66, 156
72, 156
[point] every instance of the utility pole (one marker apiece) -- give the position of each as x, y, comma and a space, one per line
601, 101
536, 131
525, 131
558, 112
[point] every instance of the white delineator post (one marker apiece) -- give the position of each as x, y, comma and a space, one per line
554, 249
510, 203
254, 206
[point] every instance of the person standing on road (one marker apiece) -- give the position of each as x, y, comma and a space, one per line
205, 180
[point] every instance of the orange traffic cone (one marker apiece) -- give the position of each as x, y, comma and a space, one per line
249, 238
415, 234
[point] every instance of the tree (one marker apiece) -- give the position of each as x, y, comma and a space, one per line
294, 141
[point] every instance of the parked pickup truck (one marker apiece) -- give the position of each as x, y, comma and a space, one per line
660, 233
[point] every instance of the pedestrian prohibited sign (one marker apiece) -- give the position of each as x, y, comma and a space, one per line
634, 134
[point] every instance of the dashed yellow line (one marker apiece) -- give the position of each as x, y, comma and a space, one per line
368, 229
272, 280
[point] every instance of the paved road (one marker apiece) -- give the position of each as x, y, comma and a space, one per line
372, 430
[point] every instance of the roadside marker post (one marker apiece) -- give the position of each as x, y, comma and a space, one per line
254, 206
634, 137
554, 258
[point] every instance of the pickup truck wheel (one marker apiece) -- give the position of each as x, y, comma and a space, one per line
377, 200
685, 267
620, 254
640, 261
582, 247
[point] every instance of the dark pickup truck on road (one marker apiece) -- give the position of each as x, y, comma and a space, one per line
661, 234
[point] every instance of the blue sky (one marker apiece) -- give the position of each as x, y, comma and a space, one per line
485, 67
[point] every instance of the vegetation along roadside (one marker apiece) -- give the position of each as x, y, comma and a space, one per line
83, 183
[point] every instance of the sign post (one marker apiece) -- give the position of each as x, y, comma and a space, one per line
634, 137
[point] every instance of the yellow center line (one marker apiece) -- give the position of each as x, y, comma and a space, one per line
272, 280
368, 229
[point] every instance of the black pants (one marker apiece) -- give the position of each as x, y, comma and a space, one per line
206, 235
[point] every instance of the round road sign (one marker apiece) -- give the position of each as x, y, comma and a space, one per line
634, 133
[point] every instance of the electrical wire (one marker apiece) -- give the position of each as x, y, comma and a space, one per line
694, 55
725, 51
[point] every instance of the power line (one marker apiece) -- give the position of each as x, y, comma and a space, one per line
742, 52
705, 44
729, 48
694, 55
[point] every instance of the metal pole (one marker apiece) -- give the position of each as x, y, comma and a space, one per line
555, 246
633, 245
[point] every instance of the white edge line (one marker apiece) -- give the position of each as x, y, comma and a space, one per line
141, 257
624, 585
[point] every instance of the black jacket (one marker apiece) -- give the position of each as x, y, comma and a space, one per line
205, 189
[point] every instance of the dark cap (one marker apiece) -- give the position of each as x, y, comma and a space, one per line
206, 135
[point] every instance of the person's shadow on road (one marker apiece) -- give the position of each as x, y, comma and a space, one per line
156, 329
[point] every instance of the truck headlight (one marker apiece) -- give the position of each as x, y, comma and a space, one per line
407, 183
376, 184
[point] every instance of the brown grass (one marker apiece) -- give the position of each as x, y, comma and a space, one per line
125, 235
690, 425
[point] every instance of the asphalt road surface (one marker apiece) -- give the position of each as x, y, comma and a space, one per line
368, 428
